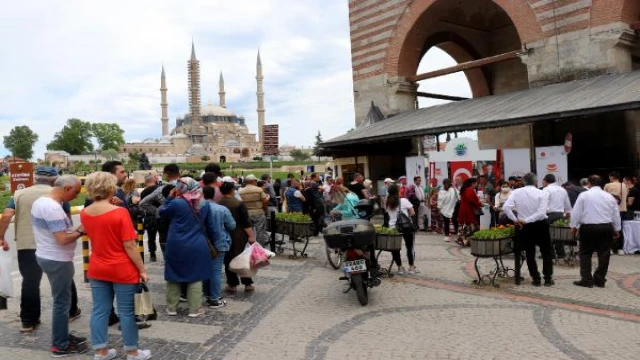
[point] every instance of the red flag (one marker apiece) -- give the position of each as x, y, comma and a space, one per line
463, 169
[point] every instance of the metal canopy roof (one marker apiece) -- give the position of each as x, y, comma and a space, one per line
583, 97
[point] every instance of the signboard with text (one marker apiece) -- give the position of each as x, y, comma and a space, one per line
21, 176
552, 160
270, 143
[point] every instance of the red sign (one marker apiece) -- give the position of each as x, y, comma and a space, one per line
21, 176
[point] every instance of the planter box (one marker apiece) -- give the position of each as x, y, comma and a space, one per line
282, 227
300, 229
562, 235
388, 242
491, 247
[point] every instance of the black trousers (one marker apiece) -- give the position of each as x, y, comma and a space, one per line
596, 238
532, 235
232, 278
150, 226
408, 244
30, 298
559, 247
447, 222
456, 210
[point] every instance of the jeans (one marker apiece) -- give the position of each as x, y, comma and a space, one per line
411, 254
260, 229
60, 275
102, 293
30, 298
215, 288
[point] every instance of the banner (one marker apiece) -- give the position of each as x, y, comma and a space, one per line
463, 169
490, 169
416, 166
440, 171
517, 162
552, 160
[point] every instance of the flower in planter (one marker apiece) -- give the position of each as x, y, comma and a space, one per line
499, 232
561, 223
386, 231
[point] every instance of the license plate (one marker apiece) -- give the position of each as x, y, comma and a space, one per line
354, 267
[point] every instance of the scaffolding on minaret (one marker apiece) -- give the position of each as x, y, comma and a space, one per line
260, 96
163, 104
193, 65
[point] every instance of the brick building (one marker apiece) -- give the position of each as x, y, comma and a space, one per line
503, 47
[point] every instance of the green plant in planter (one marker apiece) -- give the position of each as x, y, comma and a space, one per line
386, 231
561, 223
293, 217
495, 233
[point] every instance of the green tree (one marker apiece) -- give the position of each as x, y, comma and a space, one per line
108, 136
74, 138
110, 154
317, 149
205, 158
299, 155
20, 142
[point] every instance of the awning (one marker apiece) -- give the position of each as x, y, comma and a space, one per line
592, 96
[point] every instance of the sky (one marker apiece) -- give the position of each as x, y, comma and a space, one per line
101, 62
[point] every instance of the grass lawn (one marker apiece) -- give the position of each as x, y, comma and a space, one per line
5, 196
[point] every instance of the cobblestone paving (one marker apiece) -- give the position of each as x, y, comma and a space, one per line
300, 312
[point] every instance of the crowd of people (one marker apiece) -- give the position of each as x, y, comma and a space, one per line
193, 217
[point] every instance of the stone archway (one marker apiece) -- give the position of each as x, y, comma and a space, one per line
223, 159
409, 34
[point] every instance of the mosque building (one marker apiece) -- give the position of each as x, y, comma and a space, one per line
214, 131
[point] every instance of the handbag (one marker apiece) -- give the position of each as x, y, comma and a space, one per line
143, 302
404, 224
212, 249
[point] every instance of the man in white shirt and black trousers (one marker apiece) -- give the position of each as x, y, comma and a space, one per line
532, 204
558, 206
597, 216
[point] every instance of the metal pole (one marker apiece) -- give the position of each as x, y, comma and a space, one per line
516, 255
141, 237
272, 242
270, 167
85, 257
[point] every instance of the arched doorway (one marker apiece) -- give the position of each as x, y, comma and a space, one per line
223, 159
245, 152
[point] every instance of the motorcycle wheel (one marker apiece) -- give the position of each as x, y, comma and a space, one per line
361, 289
334, 257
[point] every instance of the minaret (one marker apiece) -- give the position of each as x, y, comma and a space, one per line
222, 94
260, 95
194, 95
163, 104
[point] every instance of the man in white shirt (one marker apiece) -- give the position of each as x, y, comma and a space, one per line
597, 215
558, 207
532, 204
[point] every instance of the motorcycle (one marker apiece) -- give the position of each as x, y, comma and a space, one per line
355, 239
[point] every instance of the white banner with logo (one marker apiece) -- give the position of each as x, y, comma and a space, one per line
552, 160
517, 162
440, 171
415, 166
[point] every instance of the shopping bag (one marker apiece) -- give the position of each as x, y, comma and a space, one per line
259, 257
143, 301
6, 280
241, 264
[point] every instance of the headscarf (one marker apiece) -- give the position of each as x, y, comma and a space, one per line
191, 191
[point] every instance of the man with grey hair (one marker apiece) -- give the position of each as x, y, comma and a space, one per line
532, 204
55, 249
256, 201
19, 206
584, 182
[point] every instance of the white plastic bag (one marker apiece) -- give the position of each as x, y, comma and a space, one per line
241, 264
6, 280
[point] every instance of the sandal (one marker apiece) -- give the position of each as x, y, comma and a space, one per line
231, 289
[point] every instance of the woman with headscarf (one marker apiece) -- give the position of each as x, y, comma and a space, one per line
187, 257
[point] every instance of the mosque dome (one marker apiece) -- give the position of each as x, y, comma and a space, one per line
149, 141
164, 141
214, 110
196, 149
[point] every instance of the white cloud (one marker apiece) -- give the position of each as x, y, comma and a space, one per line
100, 61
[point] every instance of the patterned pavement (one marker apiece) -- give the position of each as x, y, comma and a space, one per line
300, 312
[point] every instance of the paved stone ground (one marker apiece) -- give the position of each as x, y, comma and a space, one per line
300, 312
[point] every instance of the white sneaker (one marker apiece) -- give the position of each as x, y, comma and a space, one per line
447, 239
172, 313
142, 355
111, 354
200, 312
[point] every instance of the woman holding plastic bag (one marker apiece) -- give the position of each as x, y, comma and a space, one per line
253, 257
242, 235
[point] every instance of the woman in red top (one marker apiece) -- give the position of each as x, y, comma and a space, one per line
116, 267
469, 205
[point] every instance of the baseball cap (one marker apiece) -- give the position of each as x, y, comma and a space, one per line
402, 178
388, 180
250, 177
228, 179
46, 171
